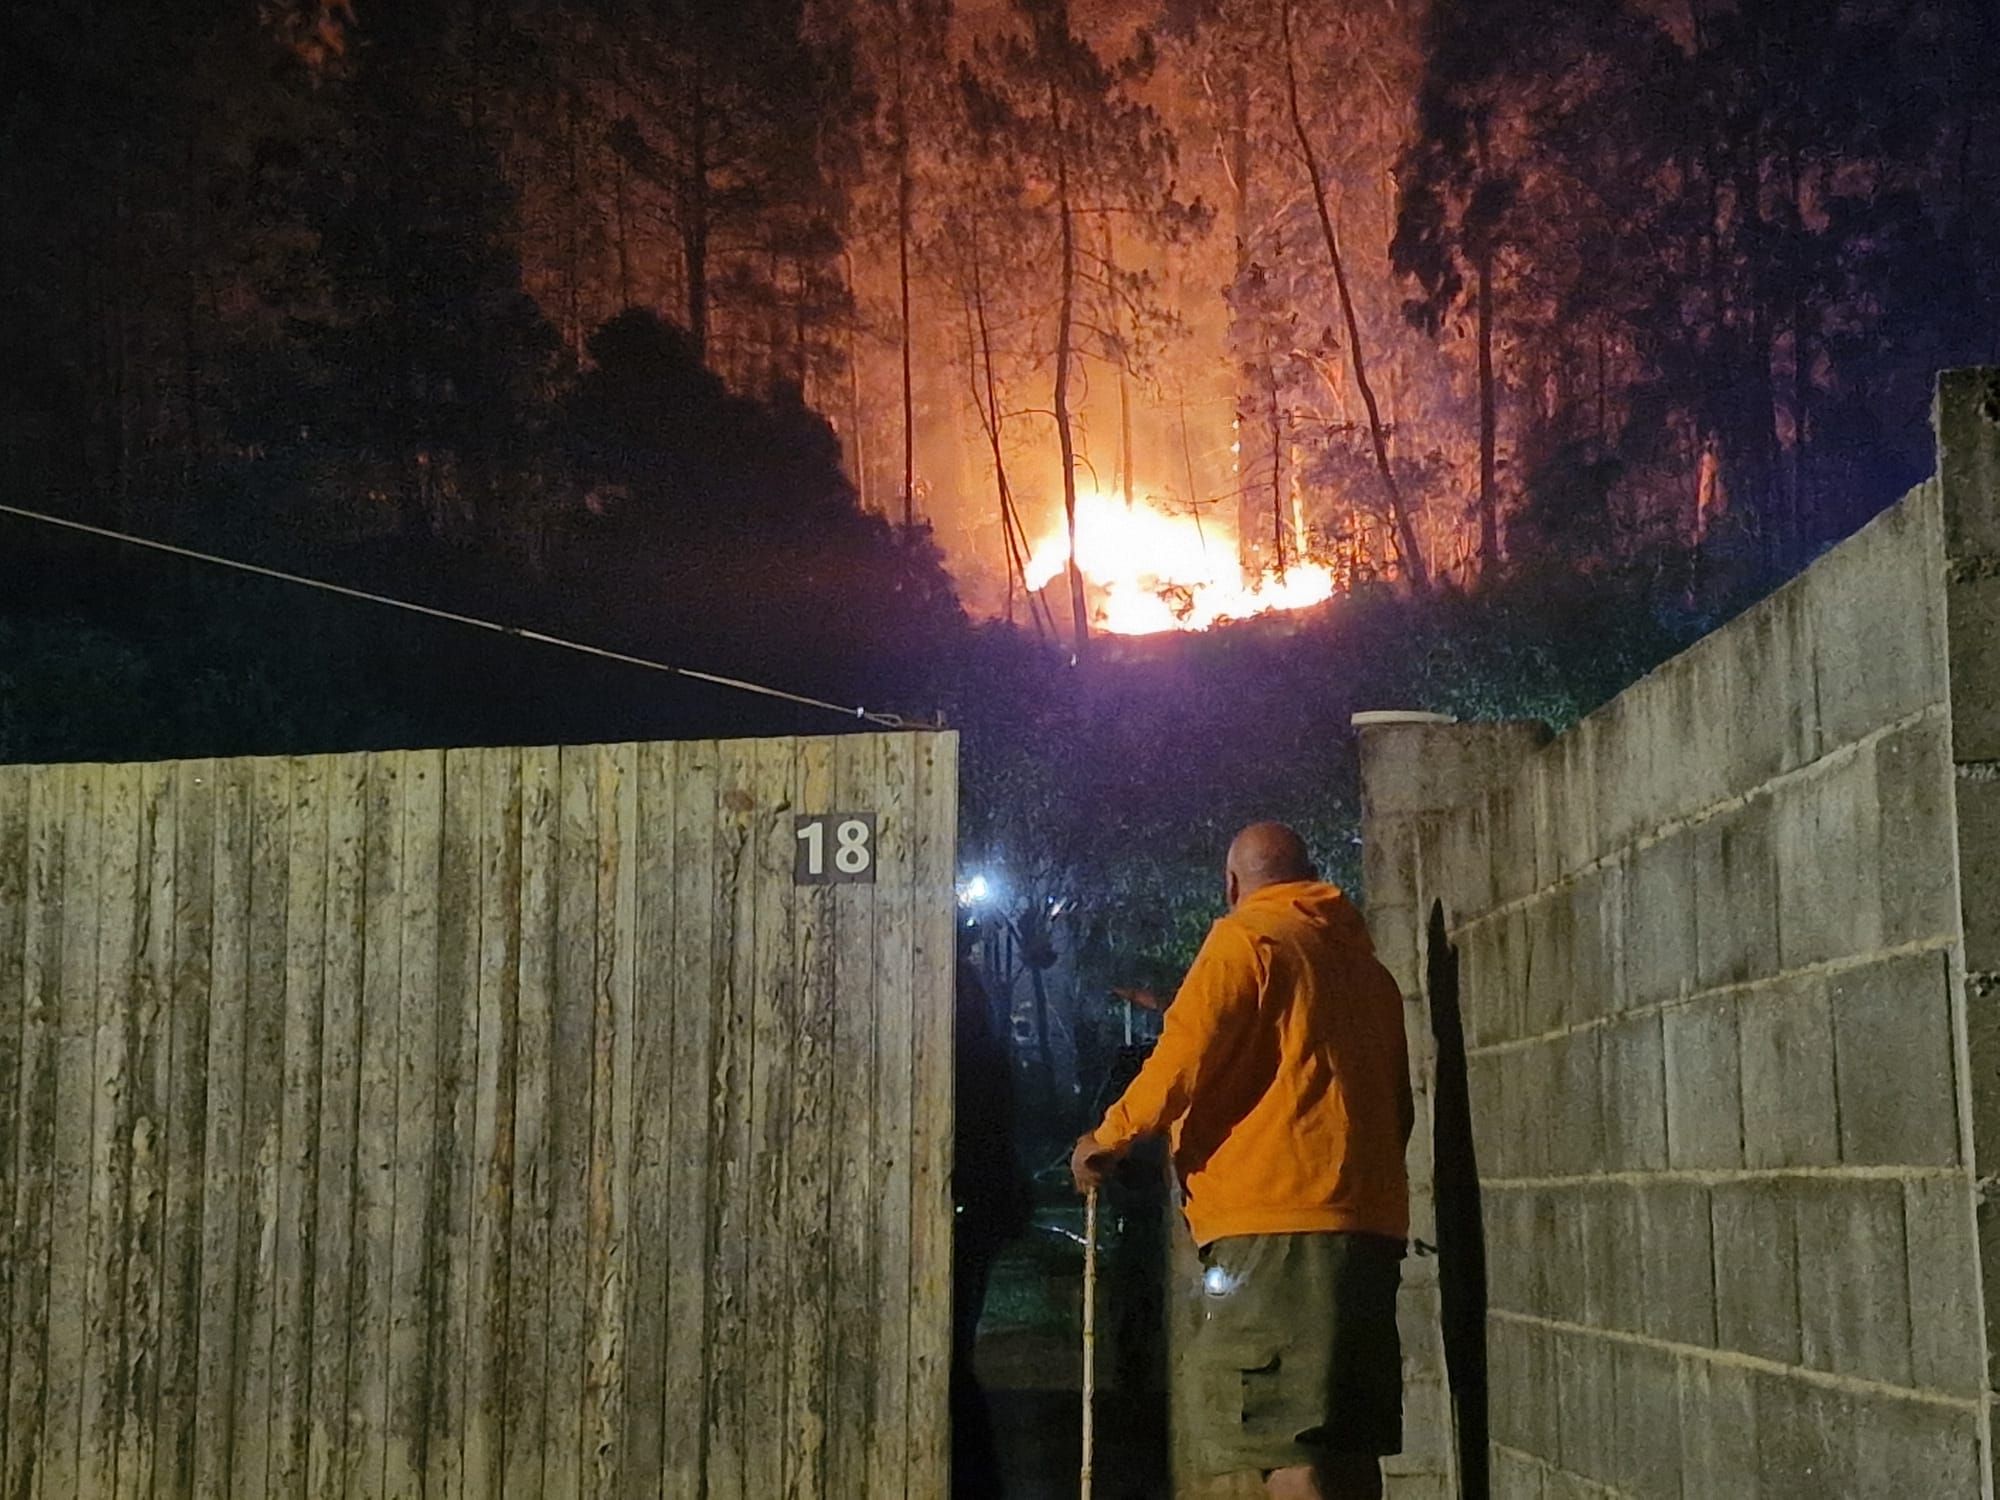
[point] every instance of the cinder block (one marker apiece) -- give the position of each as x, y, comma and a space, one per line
1558, 1231
1646, 1434
1512, 1277
1945, 1346
1873, 601
1516, 1476
1550, 926
1424, 767
1913, 789
1986, 1225
1736, 897
1566, 803
1615, 767
1902, 1444
1634, 1098
1829, 874
1494, 1128
1614, 1283
1524, 1387
1756, 1270
1982, 1037
1510, 829
1560, 1484
1396, 932
1408, 1486
1972, 612
1677, 1259
1423, 1344
1806, 1439
1718, 1430
1853, 1307
1893, 1062
1967, 415
1427, 1426
1761, 709
1659, 921
1489, 1000
1790, 1118
1704, 1085
1577, 1131
1586, 1384
1455, 859
1597, 953
1979, 869
1389, 860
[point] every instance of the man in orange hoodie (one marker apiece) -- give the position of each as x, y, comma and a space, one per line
1283, 1078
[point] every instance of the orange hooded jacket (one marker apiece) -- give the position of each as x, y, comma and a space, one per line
1283, 1075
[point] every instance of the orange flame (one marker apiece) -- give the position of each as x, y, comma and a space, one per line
1155, 571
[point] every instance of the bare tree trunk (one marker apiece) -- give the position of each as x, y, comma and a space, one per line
1065, 319
1489, 498
986, 397
1239, 183
905, 191
694, 225
1406, 535
1277, 422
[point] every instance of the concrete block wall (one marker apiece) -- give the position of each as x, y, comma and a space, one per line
1728, 956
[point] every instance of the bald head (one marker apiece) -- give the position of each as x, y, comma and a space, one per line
1266, 854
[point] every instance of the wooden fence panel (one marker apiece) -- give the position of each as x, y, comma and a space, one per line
482, 1122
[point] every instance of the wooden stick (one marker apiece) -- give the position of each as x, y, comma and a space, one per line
1089, 1338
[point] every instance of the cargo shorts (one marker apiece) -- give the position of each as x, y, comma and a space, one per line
1297, 1356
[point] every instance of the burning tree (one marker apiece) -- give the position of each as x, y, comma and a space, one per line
1061, 125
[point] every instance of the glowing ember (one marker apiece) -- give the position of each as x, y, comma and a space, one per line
1155, 571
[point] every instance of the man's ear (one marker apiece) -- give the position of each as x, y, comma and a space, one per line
1230, 889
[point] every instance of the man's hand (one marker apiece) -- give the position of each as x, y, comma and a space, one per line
1091, 1162
1144, 999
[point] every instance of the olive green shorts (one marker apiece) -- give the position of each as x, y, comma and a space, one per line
1297, 1356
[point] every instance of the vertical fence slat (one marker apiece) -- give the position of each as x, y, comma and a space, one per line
733, 1002
890, 1431
448, 1272
150, 1069
499, 957
223, 1189
856, 1285
375, 1129
775, 986
685, 1383
528, 1264
570, 1113
649, 1097
416, 1126
14, 846
296, 1228
811, 1157
263, 1080
609, 1220
69, 1247
334, 1436
120, 861
184, 1128
34, 1191
934, 817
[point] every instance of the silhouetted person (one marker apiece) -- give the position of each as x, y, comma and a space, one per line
992, 1205
1283, 1078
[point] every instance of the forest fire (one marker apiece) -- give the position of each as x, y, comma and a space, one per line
1154, 571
